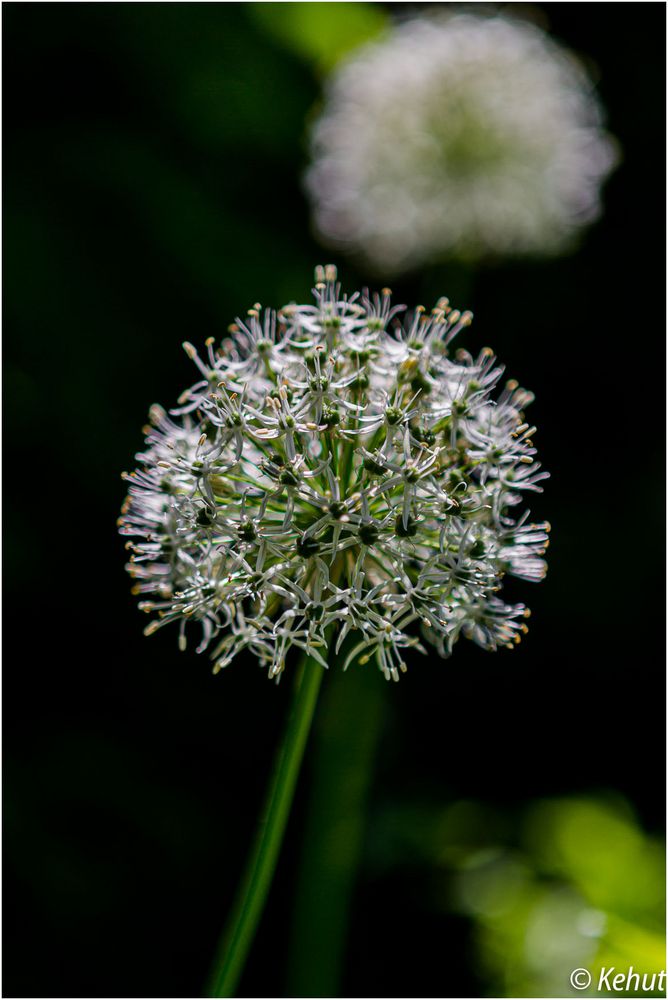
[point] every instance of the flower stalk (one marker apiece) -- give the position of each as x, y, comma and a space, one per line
247, 910
342, 759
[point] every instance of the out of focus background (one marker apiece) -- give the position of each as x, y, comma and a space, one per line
512, 829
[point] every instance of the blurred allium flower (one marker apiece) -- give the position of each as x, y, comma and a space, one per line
465, 136
334, 467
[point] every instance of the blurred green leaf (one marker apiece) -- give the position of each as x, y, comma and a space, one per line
601, 850
588, 891
322, 33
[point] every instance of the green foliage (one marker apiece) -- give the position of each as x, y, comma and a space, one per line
563, 884
586, 890
322, 33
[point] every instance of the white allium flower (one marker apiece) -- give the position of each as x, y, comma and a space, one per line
465, 136
336, 472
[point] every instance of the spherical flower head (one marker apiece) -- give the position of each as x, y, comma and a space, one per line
337, 475
463, 136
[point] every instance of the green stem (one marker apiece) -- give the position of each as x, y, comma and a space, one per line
342, 759
238, 937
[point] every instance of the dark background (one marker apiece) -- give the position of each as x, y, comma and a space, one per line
152, 157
